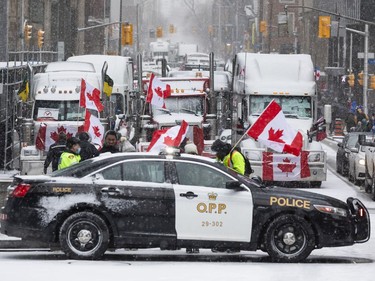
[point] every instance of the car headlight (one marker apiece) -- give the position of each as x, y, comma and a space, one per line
331, 210
361, 162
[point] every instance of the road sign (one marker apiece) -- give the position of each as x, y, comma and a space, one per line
371, 61
369, 55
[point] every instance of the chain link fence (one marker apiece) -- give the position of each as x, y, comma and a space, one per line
12, 74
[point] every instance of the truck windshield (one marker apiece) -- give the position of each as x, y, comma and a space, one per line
293, 107
188, 104
58, 111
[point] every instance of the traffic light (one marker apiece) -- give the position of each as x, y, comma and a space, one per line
372, 82
40, 38
360, 78
27, 32
127, 34
263, 26
351, 79
324, 27
159, 32
171, 28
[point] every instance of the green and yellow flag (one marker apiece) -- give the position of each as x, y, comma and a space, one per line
23, 92
108, 85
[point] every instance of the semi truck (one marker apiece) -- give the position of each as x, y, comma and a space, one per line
54, 107
288, 79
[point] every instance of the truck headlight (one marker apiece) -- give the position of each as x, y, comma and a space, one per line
361, 162
314, 157
30, 152
331, 210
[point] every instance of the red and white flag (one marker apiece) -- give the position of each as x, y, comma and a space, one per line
90, 97
49, 134
157, 92
283, 167
272, 130
94, 128
168, 137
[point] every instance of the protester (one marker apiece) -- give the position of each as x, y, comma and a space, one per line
110, 142
71, 154
54, 152
88, 150
229, 157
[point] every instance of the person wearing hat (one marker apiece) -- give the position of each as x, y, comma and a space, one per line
230, 157
88, 150
71, 155
191, 148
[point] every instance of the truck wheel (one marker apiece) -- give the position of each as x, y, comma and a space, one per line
84, 235
289, 238
316, 184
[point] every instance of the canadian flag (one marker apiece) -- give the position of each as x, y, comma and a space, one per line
272, 130
48, 135
94, 128
168, 137
285, 167
157, 92
90, 97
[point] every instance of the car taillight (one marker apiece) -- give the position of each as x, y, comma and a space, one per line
21, 190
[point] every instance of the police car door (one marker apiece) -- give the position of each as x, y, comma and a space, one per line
205, 209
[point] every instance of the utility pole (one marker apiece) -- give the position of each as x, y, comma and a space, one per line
120, 31
365, 34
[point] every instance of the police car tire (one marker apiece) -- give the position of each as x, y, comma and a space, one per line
289, 238
84, 235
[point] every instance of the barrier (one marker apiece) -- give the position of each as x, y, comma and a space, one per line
339, 127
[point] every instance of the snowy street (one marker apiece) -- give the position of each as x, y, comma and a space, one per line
341, 263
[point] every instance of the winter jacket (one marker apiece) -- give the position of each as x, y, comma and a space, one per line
107, 148
88, 150
68, 158
53, 155
237, 164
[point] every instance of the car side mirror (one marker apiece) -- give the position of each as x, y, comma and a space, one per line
233, 185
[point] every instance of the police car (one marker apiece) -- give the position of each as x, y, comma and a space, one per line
143, 200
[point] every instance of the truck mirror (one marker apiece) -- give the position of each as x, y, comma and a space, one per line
361, 139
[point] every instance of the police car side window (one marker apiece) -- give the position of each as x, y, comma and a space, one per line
112, 173
145, 171
200, 175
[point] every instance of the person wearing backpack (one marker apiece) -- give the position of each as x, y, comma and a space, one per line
231, 158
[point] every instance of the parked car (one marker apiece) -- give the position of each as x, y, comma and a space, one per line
342, 161
356, 157
172, 201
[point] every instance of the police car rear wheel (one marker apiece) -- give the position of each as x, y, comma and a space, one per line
289, 238
84, 235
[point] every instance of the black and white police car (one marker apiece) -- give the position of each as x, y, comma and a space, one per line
143, 200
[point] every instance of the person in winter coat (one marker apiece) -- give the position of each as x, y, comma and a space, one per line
71, 155
231, 158
54, 153
111, 139
88, 150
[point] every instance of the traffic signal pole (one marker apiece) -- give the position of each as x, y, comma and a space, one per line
365, 34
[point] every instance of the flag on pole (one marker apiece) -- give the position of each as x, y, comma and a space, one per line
108, 85
23, 92
168, 137
272, 130
157, 92
90, 97
94, 128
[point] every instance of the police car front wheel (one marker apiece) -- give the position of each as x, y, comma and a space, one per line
289, 238
84, 235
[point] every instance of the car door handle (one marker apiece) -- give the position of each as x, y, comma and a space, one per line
110, 190
188, 195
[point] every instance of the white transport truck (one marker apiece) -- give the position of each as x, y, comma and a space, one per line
120, 70
53, 107
289, 80
159, 50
